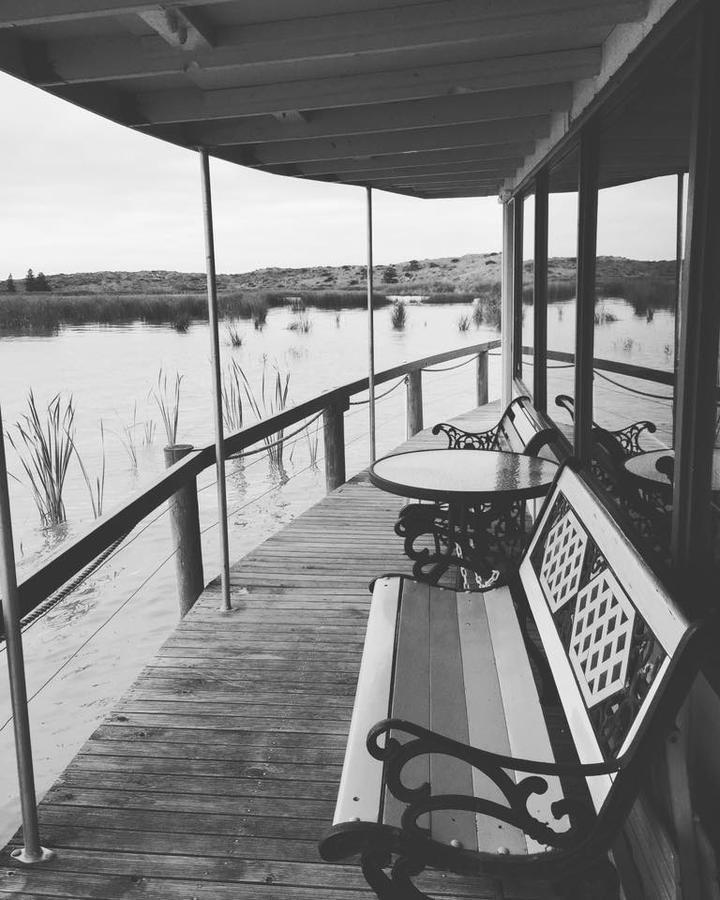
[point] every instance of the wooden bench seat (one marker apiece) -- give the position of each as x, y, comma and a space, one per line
449, 762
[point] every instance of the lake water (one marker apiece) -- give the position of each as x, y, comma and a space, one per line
87, 650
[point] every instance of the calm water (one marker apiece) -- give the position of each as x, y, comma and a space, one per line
86, 651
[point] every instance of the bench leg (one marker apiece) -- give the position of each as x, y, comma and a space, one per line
398, 885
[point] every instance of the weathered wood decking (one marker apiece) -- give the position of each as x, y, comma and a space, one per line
216, 773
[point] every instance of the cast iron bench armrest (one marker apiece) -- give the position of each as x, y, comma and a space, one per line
396, 755
468, 440
622, 443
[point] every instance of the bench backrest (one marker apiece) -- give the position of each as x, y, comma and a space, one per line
611, 632
518, 427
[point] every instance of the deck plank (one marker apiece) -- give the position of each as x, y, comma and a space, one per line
216, 773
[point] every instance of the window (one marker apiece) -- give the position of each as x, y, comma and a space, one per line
562, 290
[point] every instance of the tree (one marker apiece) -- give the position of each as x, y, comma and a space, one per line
41, 282
29, 282
412, 266
10, 284
390, 275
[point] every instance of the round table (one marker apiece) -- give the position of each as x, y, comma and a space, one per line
464, 480
644, 468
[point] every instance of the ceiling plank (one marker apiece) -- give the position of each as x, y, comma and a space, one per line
192, 104
499, 167
508, 131
447, 177
484, 155
436, 112
36, 12
300, 39
182, 30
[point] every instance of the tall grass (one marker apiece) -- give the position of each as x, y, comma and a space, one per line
463, 322
44, 444
232, 401
128, 438
167, 398
398, 315
301, 323
271, 399
233, 334
312, 435
96, 487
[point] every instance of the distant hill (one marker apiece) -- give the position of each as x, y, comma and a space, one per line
463, 274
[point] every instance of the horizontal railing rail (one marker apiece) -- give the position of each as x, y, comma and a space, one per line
78, 553
660, 376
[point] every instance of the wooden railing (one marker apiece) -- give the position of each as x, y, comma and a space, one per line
179, 480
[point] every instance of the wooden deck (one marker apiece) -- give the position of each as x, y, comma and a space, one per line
216, 773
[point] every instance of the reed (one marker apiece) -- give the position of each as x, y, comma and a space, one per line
398, 315
271, 400
301, 323
96, 487
128, 438
149, 427
232, 401
233, 334
463, 322
312, 435
167, 398
44, 447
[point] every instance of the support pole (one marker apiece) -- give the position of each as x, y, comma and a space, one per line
185, 528
371, 326
217, 379
32, 851
414, 402
508, 318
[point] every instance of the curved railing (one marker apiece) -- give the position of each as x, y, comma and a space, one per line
76, 555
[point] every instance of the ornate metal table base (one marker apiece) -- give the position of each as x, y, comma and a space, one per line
461, 537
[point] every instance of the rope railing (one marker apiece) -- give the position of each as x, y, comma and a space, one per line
450, 368
379, 396
626, 387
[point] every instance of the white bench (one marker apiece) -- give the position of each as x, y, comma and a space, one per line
449, 762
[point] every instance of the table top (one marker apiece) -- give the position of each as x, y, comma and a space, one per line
643, 467
463, 475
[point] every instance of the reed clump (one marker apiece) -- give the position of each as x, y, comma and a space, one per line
268, 401
398, 315
44, 443
166, 395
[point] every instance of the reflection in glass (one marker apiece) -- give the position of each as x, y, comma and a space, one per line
528, 293
562, 291
644, 149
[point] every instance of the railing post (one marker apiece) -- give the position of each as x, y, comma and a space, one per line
482, 378
334, 437
185, 528
413, 380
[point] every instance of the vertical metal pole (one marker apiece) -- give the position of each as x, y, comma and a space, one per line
217, 378
371, 326
32, 852
507, 315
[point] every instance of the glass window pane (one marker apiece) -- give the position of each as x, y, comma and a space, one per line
562, 291
644, 149
528, 293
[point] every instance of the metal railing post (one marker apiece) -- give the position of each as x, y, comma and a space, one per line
414, 399
32, 851
185, 529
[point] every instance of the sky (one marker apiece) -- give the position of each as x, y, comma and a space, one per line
79, 193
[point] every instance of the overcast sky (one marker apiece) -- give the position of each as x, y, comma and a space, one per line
80, 193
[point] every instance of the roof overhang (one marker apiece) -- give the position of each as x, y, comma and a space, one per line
441, 98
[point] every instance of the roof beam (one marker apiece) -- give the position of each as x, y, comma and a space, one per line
379, 31
484, 155
494, 177
509, 132
182, 30
498, 167
36, 12
193, 105
436, 112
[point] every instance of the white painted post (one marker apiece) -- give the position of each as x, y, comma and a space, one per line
506, 334
32, 851
371, 327
217, 378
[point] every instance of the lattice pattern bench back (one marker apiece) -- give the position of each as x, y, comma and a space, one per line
610, 630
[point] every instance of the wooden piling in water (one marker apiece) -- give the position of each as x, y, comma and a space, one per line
413, 380
334, 437
482, 378
185, 528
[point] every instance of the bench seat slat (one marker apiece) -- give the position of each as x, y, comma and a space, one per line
486, 715
360, 790
448, 715
526, 728
411, 696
